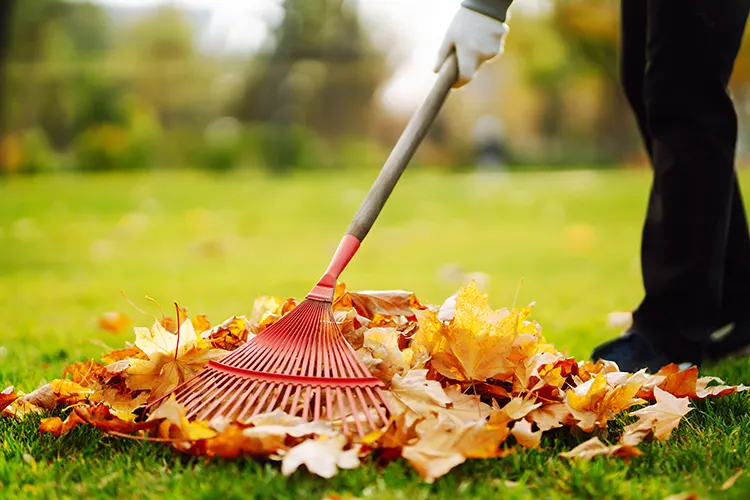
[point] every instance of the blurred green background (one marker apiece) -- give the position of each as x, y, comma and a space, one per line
133, 85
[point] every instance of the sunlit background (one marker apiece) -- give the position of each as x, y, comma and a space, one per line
283, 85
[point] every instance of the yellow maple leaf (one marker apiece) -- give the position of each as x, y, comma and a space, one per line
172, 358
482, 343
385, 358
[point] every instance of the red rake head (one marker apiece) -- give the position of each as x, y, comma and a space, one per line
301, 364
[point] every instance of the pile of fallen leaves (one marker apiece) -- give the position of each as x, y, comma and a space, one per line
464, 382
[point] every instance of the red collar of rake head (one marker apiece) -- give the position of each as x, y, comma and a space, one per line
327, 285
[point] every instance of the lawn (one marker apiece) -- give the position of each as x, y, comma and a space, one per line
567, 241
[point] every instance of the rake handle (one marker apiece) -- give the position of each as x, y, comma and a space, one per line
404, 150
381, 189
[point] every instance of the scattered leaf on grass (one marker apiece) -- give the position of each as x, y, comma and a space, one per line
731, 480
594, 447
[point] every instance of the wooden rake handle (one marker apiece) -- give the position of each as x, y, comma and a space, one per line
404, 150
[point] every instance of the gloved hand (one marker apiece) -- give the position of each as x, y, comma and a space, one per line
477, 38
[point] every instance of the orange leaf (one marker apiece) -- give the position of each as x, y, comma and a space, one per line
113, 322
7, 397
682, 383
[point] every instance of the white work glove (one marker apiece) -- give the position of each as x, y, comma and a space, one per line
477, 38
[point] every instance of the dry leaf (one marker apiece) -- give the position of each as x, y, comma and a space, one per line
201, 323
99, 416
665, 415
113, 322
168, 363
123, 355
731, 480
322, 456
683, 496
594, 447
230, 334
524, 435
174, 425
444, 446
386, 359
7, 397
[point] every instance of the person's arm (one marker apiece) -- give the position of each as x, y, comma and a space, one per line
477, 34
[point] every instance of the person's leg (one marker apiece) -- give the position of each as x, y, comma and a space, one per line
633, 23
691, 132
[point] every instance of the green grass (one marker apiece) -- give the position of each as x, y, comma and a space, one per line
69, 245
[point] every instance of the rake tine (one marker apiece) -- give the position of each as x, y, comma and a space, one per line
339, 400
378, 406
306, 407
262, 400
285, 400
248, 404
213, 396
354, 411
363, 402
316, 414
239, 400
295, 400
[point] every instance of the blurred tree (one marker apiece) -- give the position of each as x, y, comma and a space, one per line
6, 13
590, 29
161, 48
322, 73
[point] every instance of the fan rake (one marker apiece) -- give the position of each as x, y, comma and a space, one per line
302, 364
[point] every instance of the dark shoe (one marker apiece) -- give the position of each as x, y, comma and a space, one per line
632, 352
735, 343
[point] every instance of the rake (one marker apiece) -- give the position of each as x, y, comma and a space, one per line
302, 364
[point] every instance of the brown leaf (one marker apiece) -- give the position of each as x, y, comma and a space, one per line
385, 303
123, 354
681, 383
594, 447
99, 416
230, 334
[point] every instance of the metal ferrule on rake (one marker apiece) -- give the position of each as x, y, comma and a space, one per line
302, 364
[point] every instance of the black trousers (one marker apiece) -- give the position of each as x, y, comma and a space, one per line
676, 60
